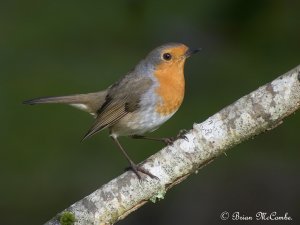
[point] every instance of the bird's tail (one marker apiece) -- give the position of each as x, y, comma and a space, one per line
90, 102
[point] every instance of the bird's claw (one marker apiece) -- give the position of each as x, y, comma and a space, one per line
180, 135
138, 169
169, 140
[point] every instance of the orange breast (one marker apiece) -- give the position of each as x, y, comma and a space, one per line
171, 87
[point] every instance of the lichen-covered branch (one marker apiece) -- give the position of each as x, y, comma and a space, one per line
259, 111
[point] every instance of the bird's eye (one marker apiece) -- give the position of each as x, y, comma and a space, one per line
167, 56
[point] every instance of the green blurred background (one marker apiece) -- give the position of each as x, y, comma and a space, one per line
65, 47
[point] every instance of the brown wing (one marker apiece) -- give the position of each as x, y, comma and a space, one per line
121, 99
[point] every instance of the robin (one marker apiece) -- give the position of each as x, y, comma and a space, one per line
137, 103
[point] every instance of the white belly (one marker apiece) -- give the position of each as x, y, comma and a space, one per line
139, 123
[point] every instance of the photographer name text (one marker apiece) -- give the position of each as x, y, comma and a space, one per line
263, 216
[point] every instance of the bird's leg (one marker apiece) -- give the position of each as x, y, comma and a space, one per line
167, 141
135, 168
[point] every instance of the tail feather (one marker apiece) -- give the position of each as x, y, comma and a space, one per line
90, 102
53, 99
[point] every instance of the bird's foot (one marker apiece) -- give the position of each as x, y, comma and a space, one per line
138, 169
169, 140
180, 135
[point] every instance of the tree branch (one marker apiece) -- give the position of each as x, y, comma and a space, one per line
259, 111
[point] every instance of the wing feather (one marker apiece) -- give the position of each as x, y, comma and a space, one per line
108, 116
121, 99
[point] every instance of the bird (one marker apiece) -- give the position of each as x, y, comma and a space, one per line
139, 102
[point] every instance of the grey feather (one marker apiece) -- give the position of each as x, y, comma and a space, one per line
121, 99
90, 102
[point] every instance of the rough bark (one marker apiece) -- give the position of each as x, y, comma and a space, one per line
257, 112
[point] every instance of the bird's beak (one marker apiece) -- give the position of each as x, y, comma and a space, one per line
190, 52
